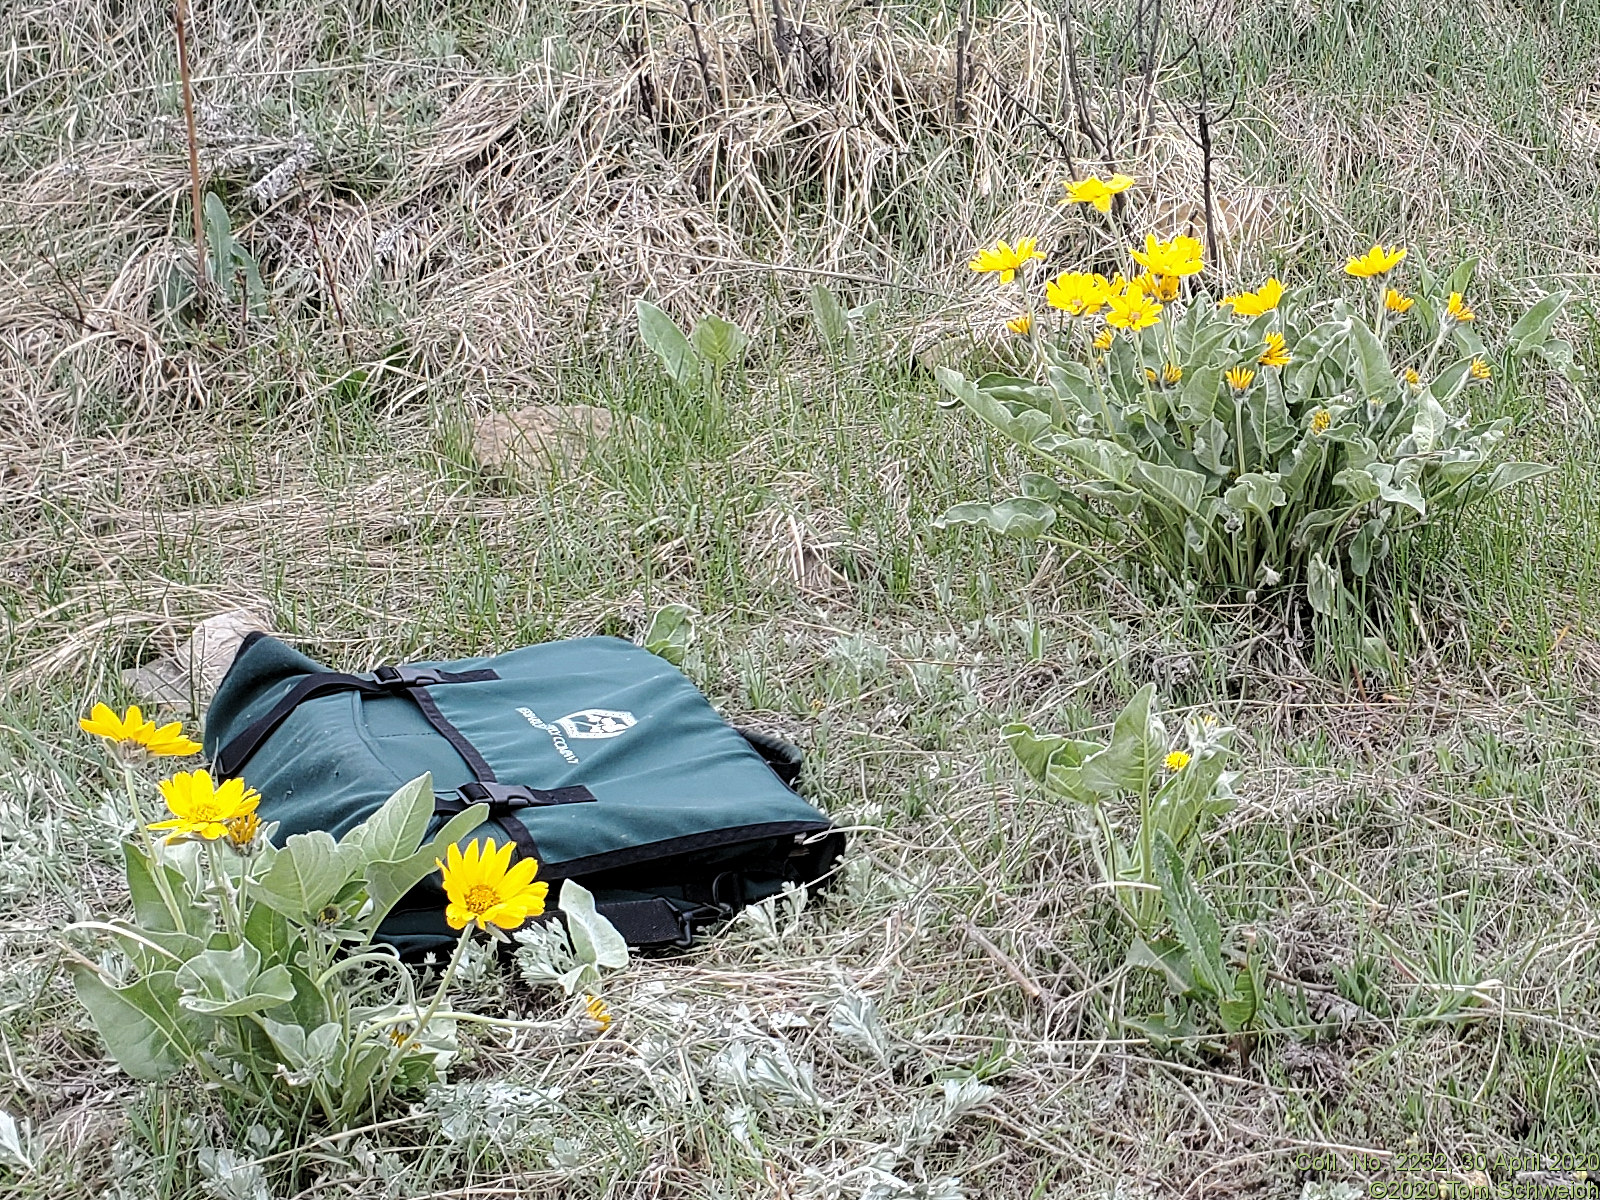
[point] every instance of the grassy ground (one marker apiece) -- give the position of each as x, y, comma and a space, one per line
484, 195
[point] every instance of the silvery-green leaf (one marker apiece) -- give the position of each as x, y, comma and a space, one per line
1258, 492
1450, 381
1138, 741
1429, 424
1369, 363
305, 875
667, 342
719, 342
142, 1025
830, 319
1400, 486
1172, 484
1210, 443
1358, 482
13, 1142
1038, 754
1509, 475
1019, 517
1039, 487
1532, 329
1192, 918
397, 828
595, 940
1322, 585
671, 630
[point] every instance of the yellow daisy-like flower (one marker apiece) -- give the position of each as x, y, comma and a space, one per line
598, 1012
1078, 293
1397, 302
1170, 374
1133, 310
1181, 256
1176, 761
1162, 287
1005, 260
488, 889
1103, 339
1379, 260
1479, 369
1277, 352
132, 731
1022, 325
1320, 420
1457, 310
1096, 191
1412, 378
1240, 378
1253, 304
203, 809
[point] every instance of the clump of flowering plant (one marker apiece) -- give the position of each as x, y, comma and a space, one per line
1272, 439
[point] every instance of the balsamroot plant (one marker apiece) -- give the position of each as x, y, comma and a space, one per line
1274, 439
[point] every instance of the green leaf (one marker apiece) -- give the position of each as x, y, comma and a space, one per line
1509, 475
305, 874
1238, 1008
1191, 917
1040, 487
1038, 754
830, 319
665, 340
1210, 443
1138, 741
268, 931
388, 882
1365, 545
1167, 957
1256, 492
1429, 425
719, 342
398, 827
595, 940
226, 983
1172, 484
1532, 329
141, 1024
1369, 363
1074, 386
1461, 277
1398, 485
1322, 585
219, 240
1019, 517
150, 908
671, 630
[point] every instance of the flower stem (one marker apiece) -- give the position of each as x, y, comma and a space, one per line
232, 917
380, 1089
158, 869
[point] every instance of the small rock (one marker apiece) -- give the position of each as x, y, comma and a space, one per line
539, 438
187, 679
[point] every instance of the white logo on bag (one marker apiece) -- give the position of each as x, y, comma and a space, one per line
597, 723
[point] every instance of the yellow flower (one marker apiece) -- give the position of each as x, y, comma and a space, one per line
1078, 293
400, 1035
1377, 261
1180, 256
1240, 378
131, 731
488, 889
1413, 378
1021, 325
598, 1012
1131, 310
1480, 369
1397, 302
1253, 304
1096, 191
1277, 353
1162, 287
1004, 260
1457, 310
202, 808
1320, 420
1103, 339
1170, 374
243, 832
1177, 760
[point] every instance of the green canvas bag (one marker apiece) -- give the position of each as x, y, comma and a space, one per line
598, 758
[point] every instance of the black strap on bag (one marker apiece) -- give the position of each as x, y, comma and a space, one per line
386, 681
